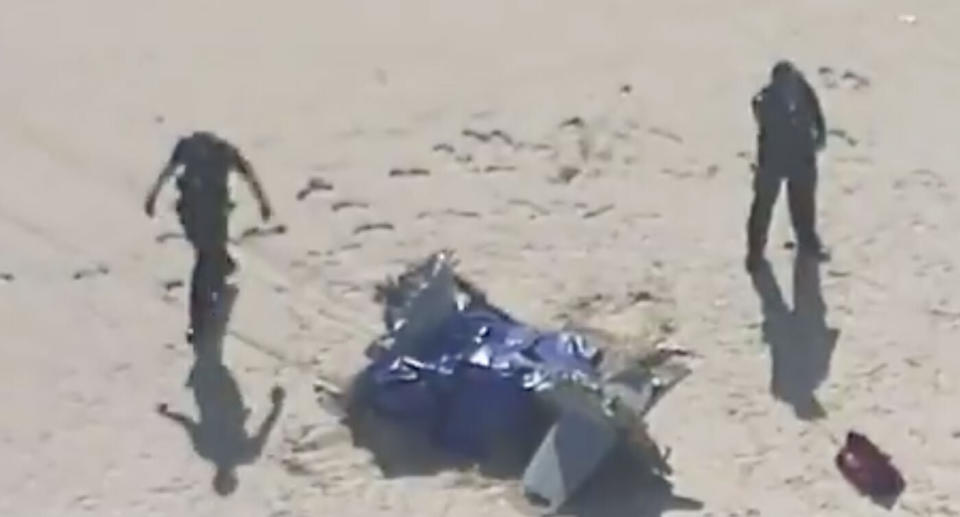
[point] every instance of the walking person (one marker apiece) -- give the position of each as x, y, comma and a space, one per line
203, 209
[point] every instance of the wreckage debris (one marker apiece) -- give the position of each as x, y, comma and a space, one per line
566, 174
473, 378
557, 469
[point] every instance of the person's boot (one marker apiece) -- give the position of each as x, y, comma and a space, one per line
231, 266
813, 248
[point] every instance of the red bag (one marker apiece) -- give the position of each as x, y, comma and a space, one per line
868, 469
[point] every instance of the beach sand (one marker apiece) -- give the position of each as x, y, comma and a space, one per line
647, 192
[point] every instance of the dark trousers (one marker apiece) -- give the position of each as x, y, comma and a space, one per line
210, 271
801, 178
207, 231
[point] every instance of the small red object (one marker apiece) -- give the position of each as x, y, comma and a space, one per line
868, 469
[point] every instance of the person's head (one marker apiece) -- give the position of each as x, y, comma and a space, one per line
782, 69
786, 77
224, 481
207, 144
209, 137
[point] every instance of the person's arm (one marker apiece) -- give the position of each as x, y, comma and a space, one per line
756, 104
819, 126
257, 441
188, 424
168, 172
250, 176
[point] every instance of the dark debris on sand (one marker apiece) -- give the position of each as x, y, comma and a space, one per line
314, 184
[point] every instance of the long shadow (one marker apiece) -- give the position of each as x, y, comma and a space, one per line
626, 486
801, 343
220, 434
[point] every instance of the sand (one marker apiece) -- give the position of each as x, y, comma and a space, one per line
94, 94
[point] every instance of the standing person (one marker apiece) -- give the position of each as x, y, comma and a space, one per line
791, 132
203, 209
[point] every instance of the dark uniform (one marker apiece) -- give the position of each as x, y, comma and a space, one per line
203, 209
791, 131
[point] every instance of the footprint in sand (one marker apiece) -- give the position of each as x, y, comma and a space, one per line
344, 204
314, 184
369, 227
98, 270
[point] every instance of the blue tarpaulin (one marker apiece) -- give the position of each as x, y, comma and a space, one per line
473, 372
477, 377
473, 379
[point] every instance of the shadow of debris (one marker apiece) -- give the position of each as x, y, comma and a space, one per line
626, 486
498, 426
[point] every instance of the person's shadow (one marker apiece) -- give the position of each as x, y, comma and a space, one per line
220, 434
801, 343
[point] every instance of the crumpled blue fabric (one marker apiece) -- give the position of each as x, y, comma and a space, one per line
476, 377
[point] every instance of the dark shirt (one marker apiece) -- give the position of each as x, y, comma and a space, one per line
207, 163
788, 128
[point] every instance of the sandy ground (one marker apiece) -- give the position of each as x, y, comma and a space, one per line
94, 94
